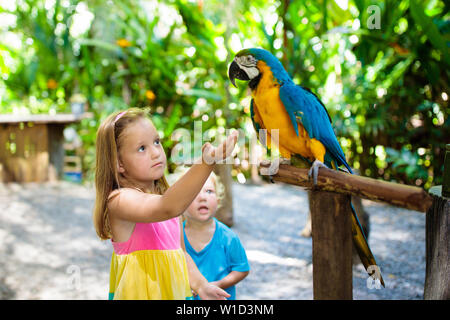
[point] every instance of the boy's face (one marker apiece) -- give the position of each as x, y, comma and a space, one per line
204, 205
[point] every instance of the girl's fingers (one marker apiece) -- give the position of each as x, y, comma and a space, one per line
208, 153
226, 150
223, 151
230, 145
227, 146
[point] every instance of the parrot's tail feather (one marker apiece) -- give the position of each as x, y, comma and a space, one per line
362, 247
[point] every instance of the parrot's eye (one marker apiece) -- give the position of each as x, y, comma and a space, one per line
247, 60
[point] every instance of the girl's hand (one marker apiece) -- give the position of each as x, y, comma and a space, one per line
212, 155
211, 292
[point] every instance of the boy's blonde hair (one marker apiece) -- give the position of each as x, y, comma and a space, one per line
220, 189
107, 176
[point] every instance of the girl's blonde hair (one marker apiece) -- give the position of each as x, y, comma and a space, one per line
107, 176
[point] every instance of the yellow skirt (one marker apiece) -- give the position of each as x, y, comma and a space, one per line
149, 275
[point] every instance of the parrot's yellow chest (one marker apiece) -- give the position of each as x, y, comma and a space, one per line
270, 111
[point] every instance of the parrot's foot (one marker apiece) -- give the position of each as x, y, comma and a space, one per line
314, 171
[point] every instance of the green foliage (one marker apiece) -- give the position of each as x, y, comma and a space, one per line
407, 163
403, 101
386, 89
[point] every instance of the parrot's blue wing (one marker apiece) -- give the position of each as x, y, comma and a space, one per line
303, 106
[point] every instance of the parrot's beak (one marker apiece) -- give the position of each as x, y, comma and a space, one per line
235, 72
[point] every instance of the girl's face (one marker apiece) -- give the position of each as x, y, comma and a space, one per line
142, 157
204, 205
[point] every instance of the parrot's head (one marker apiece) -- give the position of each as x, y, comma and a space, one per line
245, 66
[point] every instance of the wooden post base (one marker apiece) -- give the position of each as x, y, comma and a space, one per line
332, 246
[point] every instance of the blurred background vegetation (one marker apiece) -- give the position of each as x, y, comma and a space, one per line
384, 81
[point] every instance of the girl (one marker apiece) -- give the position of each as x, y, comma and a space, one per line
137, 210
215, 248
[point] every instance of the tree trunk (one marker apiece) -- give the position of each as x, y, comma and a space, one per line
225, 212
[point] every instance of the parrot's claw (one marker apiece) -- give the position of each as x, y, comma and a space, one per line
314, 171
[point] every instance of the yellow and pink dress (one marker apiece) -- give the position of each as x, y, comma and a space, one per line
151, 265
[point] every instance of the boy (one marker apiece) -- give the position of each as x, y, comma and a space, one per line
215, 248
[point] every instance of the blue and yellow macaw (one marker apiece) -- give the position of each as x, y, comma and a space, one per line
302, 120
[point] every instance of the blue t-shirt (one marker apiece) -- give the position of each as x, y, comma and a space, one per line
223, 254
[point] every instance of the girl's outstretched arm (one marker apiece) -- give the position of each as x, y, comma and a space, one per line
132, 205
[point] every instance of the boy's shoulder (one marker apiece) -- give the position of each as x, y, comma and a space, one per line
225, 231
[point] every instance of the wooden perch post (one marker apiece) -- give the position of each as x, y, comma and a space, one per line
404, 196
437, 279
331, 246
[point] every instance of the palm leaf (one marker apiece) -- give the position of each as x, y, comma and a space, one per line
430, 29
